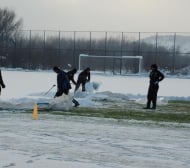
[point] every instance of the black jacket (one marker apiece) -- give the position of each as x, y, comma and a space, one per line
155, 77
70, 75
62, 81
84, 76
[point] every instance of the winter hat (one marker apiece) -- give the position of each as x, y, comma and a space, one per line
154, 66
56, 69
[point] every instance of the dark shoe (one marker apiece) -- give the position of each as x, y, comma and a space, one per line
153, 108
146, 107
76, 104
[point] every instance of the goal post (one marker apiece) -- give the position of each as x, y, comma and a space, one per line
139, 58
116, 64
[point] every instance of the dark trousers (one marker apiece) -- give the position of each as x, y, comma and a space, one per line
152, 95
80, 83
60, 92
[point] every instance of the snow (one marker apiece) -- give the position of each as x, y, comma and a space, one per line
74, 141
29, 86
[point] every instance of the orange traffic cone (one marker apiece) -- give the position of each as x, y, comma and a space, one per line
35, 112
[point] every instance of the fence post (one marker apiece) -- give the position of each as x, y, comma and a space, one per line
174, 53
106, 36
30, 47
139, 46
90, 43
121, 62
59, 49
156, 54
74, 47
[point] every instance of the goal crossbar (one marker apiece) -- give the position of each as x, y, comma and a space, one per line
96, 56
116, 57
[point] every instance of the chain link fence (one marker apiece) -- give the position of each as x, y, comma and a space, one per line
34, 49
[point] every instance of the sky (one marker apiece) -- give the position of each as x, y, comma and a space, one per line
103, 15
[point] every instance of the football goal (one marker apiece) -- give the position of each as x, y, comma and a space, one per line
116, 64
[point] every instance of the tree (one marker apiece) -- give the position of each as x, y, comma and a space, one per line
9, 27
8, 22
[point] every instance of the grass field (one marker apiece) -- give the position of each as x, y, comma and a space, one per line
175, 111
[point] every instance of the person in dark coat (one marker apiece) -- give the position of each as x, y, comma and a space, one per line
71, 75
63, 84
83, 77
1, 82
155, 77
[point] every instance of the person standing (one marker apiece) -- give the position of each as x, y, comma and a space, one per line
71, 75
1, 82
155, 77
83, 77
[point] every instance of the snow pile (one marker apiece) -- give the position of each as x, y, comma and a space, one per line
184, 71
63, 102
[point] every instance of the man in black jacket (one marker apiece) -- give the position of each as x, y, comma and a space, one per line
63, 84
1, 82
71, 74
155, 77
83, 77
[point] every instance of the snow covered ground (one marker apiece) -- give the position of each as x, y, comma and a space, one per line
74, 141
25, 87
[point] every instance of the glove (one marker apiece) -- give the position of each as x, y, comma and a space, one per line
156, 82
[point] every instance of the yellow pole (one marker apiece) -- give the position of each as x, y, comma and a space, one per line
35, 112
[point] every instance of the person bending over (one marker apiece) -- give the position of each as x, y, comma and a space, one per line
71, 75
63, 84
83, 77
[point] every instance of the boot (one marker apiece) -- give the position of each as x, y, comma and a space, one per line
147, 106
75, 102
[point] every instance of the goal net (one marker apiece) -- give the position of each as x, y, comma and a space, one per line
122, 65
